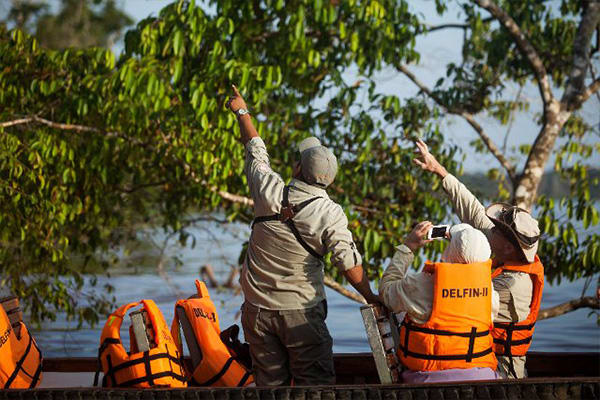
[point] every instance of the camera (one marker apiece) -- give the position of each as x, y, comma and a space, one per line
438, 232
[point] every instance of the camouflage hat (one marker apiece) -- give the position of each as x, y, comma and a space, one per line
319, 164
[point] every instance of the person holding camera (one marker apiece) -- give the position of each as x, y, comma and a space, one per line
450, 305
513, 235
284, 310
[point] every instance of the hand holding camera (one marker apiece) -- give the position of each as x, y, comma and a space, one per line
425, 232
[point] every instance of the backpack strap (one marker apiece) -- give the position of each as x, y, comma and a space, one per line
286, 215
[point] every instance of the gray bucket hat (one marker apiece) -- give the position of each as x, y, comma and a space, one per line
518, 226
319, 164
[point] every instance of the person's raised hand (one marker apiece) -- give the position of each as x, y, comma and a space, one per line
236, 101
417, 238
427, 161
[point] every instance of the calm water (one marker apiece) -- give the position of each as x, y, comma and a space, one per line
571, 332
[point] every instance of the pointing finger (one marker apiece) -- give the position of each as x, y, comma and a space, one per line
236, 91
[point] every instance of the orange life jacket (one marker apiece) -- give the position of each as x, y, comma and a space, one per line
159, 366
20, 358
219, 366
514, 338
457, 334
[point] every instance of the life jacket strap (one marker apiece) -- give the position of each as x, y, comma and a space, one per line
468, 357
101, 349
19, 364
286, 216
218, 375
242, 381
148, 377
508, 343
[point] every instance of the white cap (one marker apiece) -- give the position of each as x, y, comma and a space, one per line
467, 245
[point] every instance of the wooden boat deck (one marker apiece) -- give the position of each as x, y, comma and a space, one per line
552, 376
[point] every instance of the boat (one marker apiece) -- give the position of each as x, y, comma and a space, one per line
551, 376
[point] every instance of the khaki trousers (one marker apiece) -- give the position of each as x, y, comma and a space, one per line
289, 346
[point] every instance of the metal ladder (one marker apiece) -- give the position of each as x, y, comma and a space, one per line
383, 339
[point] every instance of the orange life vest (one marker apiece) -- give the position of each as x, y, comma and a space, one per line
159, 366
457, 334
514, 338
219, 366
20, 358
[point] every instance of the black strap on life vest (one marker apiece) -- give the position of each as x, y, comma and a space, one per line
217, 376
145, 359
508, 343
472, 335
101, 349
286, 215
19, 365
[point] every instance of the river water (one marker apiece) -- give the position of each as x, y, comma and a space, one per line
220, 248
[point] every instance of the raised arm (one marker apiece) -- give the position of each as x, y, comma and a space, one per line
238, 106
265, 184
400, 291
465, 204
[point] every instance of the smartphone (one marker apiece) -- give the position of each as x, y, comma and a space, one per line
438, 232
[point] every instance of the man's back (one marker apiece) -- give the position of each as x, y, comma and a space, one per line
279, 273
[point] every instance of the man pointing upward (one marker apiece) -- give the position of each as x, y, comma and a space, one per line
284, 311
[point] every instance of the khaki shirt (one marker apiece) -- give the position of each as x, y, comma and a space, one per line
515, 288
412, 293
278, 273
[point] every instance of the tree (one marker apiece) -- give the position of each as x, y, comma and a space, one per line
77, 24
516, 43
93, 147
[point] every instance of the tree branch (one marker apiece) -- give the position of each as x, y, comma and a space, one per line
445, 26
66, 127
506, 164
589, 91
582, 302
432, 28
524, 45
575, 90
52, 124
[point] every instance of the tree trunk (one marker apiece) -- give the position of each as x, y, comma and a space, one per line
528, 182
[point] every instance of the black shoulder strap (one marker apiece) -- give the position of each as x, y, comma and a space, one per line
286, 215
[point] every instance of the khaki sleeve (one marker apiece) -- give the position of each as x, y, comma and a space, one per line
337, 239
265, 185
495, 304
466, 205
400, 291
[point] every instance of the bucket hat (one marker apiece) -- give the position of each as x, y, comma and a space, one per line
518, 226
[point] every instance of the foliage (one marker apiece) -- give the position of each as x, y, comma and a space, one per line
94, 147
492, 63
77, 24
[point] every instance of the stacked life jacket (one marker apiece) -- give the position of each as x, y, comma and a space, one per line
219, 365
20, 358
159, 366
457, 334
514, 338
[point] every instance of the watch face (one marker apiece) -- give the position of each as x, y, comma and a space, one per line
242, 111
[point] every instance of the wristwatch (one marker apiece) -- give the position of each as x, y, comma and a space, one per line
241, 111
